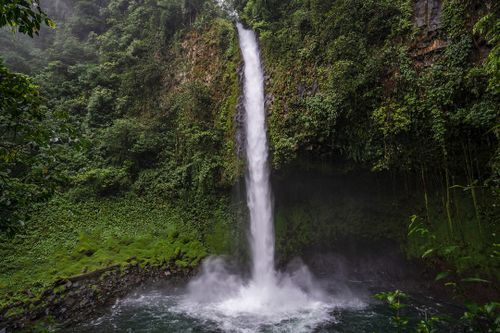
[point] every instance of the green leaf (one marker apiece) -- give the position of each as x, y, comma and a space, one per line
475, 279
490, 307
449, 249
427, 253
441, 276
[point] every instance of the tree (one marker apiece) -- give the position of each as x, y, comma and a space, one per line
24, 136
23, 147
25, 15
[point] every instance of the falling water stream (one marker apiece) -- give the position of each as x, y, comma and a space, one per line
267, 300
258, 186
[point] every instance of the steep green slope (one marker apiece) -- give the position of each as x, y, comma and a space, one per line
136, 97
406, 89
361, 81
144, 149
67, 239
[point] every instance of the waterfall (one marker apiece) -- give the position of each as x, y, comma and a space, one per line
257, 181
291, 300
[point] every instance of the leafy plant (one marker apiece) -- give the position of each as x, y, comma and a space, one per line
428, 325
395, 300
100, 182
25, 15
477, 318
482, 318
28, 146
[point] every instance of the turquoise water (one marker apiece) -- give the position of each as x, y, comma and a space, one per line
163, 309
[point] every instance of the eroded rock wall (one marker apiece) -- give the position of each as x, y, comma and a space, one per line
427, 14
81, 297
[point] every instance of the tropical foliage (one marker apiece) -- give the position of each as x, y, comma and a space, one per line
360, 82
135, 102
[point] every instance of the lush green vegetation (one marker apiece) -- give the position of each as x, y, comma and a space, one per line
25, 153
151, 112
26, 16
119, 138
115, 148
67, 239
358, 81
475, 319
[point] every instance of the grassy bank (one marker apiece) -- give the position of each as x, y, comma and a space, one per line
66, 238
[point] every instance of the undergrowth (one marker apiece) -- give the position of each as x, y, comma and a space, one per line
67, 238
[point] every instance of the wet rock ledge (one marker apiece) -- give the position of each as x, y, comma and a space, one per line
79, 297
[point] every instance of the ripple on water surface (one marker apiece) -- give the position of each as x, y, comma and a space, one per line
156, 311
173, 309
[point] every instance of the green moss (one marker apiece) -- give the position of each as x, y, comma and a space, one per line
59, 289
67, 238
12, 312
47, 325
219, 239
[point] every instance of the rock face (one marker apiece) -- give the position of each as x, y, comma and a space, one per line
427, 14
77, 298
427, 17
